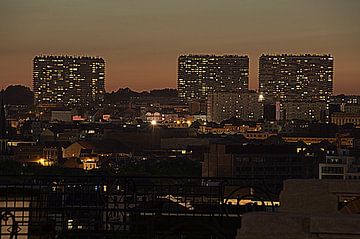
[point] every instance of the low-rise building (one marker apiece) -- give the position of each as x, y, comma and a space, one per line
61, 116
346, 142
304, 110
339, 165
242, 105
341, 118
28, 153
74, 149
89, 159
351, 108
227, 129
270, 160
160, 117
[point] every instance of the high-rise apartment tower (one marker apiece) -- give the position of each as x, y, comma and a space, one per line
199, 75
68, 80
296, 77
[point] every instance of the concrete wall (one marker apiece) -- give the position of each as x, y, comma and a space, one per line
309, 209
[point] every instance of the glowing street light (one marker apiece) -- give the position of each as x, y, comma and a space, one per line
153, 122
261, 98
188, 122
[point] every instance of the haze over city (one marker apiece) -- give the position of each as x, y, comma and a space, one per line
141, 40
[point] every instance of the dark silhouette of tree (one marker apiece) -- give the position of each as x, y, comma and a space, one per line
125, 94
17, 95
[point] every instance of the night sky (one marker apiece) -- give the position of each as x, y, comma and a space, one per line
140, 40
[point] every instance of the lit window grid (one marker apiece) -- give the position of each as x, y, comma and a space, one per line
199, 75
76, 79
296, 77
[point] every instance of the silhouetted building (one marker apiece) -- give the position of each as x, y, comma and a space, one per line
199, 75
197, 107
271, 160
68, 80
333, 108
299, 77
322, 205
269, 112
257, 160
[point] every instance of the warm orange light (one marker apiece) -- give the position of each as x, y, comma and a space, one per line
43, 162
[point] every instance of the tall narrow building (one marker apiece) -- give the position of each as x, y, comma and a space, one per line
68, 80
296, 77
199, 75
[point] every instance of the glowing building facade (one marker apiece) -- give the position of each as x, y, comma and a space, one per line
68, 80
296, 77
199, 75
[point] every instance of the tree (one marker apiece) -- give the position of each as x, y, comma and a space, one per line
17, 95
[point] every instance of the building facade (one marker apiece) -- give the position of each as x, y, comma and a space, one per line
309, 208
304, 110
270, 162
341, 118
199, 75
308, 77
242, 105
347, 99
68, 80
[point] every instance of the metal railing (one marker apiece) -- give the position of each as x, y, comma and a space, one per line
128, 207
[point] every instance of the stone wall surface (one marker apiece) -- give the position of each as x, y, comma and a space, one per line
308, 210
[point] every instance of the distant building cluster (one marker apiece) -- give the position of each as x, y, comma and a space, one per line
218, 132
215, 86
68, 80
213, 127
210, 87
301, 85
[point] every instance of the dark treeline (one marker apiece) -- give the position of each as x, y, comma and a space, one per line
166, 168
22, 95
17, 95
124, 94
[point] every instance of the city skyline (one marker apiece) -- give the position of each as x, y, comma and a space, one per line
179, 119
142, 40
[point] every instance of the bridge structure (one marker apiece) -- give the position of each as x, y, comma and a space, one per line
128, 207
